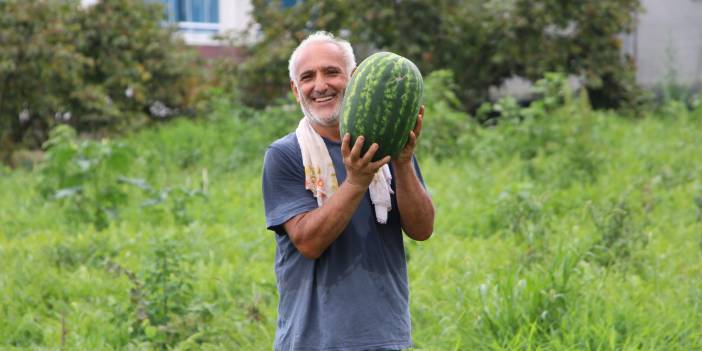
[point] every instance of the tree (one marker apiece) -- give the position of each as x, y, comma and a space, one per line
482, 42
40, 64
98, 68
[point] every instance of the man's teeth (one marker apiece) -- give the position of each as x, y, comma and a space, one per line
324, 99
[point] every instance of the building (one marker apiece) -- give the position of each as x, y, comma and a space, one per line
198, 21
667, 43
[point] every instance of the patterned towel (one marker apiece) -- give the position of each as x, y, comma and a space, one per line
320, 177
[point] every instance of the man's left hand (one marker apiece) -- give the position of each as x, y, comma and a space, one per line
405, 156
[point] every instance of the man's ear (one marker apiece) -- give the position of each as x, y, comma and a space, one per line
293, 87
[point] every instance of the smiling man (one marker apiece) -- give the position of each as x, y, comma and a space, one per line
339, 218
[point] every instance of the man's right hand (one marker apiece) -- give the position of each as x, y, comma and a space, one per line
359, 169
312, 232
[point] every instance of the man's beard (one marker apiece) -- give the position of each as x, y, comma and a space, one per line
330, 121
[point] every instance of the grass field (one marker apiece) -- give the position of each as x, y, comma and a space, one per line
578, 231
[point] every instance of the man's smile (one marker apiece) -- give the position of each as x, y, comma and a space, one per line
323, 98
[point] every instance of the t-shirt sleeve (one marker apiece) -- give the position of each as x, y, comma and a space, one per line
284, 193
418, 171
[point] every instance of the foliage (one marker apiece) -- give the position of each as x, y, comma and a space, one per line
175, 201
620, 237
108, 66
137, 64
248, 132
447, 132
92, 176
559, 228
162, 296
40, 63
445, 129
84, 173
483, 43
512, 304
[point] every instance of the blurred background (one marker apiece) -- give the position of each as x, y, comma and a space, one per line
106, 66
560, 145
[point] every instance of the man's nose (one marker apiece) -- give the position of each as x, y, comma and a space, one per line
320, 84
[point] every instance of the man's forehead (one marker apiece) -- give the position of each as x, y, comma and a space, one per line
312, 68
318, 56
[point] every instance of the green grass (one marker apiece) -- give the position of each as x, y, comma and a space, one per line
576, 231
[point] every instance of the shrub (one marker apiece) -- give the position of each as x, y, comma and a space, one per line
163, 310
446, 131
483, 43
106, 67
40, 67
620, 235
83, 174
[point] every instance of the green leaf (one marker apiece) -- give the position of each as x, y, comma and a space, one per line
68, 192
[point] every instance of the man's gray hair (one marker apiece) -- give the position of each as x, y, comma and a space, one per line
322, 37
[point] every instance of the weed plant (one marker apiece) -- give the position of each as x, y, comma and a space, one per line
557, 228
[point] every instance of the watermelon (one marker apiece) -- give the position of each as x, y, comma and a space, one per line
381, 103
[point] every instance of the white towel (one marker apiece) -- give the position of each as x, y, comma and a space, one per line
320, 177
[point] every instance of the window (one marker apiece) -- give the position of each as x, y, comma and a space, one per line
200, 11
288, 3
193, 15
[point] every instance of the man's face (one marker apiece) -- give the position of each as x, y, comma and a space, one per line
321, 81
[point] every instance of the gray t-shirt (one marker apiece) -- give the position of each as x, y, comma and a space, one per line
356, 295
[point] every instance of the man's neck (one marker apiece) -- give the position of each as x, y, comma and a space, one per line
328, 132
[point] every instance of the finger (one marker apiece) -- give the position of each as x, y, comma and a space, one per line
411, 141
356, 150
345, 145
380, 163
420, 120
371, 152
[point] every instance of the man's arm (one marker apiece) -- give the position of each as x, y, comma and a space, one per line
414, 203
312, 232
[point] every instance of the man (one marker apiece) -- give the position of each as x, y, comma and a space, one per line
340, 260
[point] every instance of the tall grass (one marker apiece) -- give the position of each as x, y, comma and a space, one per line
572, 229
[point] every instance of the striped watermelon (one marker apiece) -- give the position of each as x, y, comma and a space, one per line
381, 102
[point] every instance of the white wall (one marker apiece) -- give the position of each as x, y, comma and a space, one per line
669, 35
234, 14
